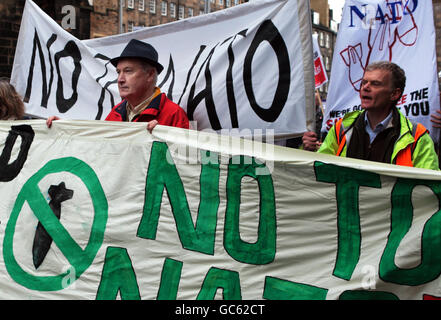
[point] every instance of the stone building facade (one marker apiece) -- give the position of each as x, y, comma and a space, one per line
105, 18
325, 27
10, 18
97, 18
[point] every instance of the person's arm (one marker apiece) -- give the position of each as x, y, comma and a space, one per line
424, 154
436, 119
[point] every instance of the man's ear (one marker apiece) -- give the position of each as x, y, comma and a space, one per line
153, 74
396, 94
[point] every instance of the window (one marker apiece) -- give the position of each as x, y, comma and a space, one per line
130, 4
181, 12
327, 63
221, 2
228, 3
172, 10
152, 6
130, 26
164, 8
123, 3
190, 12
321, 39
141, 5
315, 17
327, 41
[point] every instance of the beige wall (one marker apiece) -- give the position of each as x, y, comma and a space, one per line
322, 7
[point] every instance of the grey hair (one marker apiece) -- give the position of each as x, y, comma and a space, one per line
147, 67
398, 75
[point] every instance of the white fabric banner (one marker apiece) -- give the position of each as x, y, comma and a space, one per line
246, 67
105, 210
398, 31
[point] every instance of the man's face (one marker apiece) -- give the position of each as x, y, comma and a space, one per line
135, 84
377, 92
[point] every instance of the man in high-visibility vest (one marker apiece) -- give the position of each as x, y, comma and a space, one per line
380, 132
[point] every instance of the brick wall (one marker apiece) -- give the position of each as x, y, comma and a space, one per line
104, 18
10, 18
103, 21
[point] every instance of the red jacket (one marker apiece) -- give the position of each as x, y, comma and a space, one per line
162, 109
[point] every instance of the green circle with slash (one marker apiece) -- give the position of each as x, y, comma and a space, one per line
79, 259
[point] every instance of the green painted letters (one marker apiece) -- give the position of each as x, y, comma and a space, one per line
221, 278
401, 221
263, 250
348, 182
279, 289
367, 295
162, 173
170, 278
118, 275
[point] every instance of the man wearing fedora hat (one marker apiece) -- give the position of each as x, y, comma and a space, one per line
143, 101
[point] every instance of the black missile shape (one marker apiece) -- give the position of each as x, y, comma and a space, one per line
42, 239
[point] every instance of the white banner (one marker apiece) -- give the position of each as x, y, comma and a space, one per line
105, 210
398, 31
247, 67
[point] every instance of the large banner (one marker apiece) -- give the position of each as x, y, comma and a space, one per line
247, 67
97, 210
398, 31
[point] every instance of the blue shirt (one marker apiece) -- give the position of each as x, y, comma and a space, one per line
380, 127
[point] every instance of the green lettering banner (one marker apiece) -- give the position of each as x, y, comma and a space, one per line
104, 210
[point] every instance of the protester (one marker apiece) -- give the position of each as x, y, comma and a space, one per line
143, 101
11, 104
436, 118
310, 139
379, 132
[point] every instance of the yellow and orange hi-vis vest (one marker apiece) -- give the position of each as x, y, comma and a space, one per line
404, 157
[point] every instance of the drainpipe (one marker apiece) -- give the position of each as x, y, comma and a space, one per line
120, 17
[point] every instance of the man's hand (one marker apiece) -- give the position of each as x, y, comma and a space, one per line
310, 141
436, 119
151, 125
50, 119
